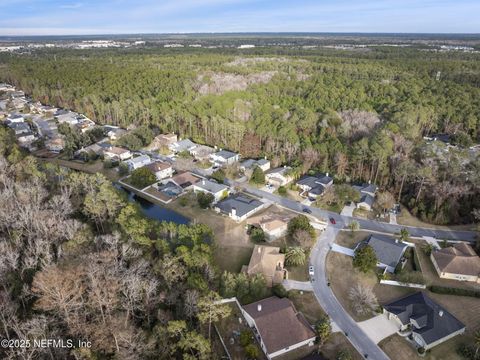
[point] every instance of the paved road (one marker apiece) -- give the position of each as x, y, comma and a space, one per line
327, 300
372, 225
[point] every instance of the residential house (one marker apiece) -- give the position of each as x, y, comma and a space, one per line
138, 162
15, 118
224, 157
430, 324
185, 180
279, 176
117, 153
314, 185
269, 262
250, 164
20, 128
367, 195
279, 327
56, 144
273, 226
65, 116
160, 169
18, 103
206, 186
239, 207
6, 87
202, 152
114, 132
389, 251
182, 145
25, 138
457, 262
95, 149
84, 124
162, 141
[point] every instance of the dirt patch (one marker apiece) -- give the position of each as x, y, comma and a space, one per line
219, 83
337, 342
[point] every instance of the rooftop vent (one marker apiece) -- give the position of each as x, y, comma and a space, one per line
259, 307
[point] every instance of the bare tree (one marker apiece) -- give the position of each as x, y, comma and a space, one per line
363, 299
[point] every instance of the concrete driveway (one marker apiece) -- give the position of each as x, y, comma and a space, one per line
348, 210
297, 285
343, 250
378, 328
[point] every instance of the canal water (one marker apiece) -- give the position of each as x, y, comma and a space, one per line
154, 211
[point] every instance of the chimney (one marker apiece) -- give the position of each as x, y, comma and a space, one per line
259, 307
259, 250
327, 174
203, 181
396, 241
369, 182
440, 313
234, 211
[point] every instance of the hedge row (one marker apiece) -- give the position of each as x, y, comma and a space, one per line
454, 291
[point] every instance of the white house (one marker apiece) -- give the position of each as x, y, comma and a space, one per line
206, 186
117, 153
161, 170
15, 118
182, 145
224, 157
280, 327
65, 116
138, 162
250, 164
279, 176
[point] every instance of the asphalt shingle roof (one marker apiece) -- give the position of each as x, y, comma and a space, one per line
241, 203
387, 250
434, 321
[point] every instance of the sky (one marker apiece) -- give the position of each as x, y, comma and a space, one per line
85, 17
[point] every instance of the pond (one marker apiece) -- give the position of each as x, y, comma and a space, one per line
154, 211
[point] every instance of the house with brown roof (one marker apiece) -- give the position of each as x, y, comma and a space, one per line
268, 261
458, 262
185, 179
117, 153
273, 226
161, 170
278, 326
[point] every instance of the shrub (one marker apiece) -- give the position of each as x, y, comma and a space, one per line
183, 201
245, 338
252, 351
142, 177
365, 259
282, 190
219, 175
453, 291
204, 199
280, 291
257, 235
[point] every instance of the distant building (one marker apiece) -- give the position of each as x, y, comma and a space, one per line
15, 118
65, 116
279, 176
389, 251
314, 185
206, 186
117, 153
269, 262
55, 144
224, 157
160, 169
239, 207
202, 152
250, 164
182, 145
114, 132
138, 162
280, 327
457, 262
430, 324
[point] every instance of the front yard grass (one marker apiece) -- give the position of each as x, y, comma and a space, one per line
350, 239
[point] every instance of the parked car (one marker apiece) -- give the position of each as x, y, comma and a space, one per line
332, 220
307, 210
311, 272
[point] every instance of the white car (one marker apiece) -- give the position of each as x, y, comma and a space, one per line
311, 271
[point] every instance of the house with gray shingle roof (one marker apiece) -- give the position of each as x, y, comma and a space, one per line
367, 192
389, 251
429, 322
224, 157
206, 186
239, 207
314, 185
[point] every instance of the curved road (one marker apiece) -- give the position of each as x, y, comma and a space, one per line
329, 302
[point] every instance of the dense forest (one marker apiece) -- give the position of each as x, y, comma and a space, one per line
78, 262
360, 115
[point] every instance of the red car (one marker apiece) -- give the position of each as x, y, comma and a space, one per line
332, 220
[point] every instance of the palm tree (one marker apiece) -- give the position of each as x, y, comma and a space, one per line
295, 256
